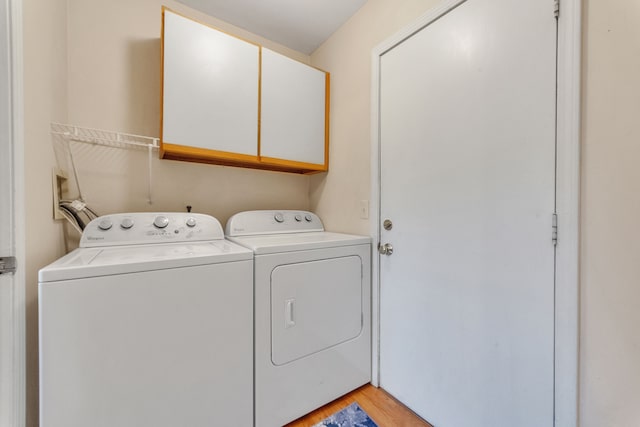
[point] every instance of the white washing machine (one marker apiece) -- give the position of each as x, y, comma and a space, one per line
148, 323
312, 311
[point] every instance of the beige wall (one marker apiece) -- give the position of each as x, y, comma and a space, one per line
610, 225
45, 99
347, 55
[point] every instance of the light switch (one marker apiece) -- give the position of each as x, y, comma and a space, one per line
364, 209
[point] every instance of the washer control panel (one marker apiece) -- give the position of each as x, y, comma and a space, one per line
272, 222
150, 227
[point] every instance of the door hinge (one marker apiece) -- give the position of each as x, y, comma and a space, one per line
7, 264
554, 229
556, 8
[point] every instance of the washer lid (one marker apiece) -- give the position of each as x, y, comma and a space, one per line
92, 262
275, 243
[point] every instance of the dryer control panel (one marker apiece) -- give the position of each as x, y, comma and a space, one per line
251, 223
149, 228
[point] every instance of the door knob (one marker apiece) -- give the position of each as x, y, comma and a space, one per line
385, 249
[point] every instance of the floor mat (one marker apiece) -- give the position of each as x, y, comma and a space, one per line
351, 416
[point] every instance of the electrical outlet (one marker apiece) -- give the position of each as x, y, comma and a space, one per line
364, 209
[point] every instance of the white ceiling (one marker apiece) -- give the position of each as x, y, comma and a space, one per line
301, 25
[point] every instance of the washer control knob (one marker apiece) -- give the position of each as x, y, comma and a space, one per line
126, 223
298, 217
308, 218
279, 217
191, 222
105, 224
161, 221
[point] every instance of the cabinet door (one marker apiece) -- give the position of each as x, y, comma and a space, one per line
210, 93
294, 116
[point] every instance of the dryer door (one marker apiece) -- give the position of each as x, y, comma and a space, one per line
314, 305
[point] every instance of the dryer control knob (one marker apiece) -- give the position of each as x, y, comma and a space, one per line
126, 223
161, 221
298, 217
105, 224
279, 217
307, 218
191, 222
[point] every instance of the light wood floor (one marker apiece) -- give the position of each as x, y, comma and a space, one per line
383, 409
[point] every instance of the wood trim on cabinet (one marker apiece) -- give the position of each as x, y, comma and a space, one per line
309, 167
161, 150
204, 155
259, 147
223, 158
327, 111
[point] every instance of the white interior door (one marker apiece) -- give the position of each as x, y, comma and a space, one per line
11, 290
467, 158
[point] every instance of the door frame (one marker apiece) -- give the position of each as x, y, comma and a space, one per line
13, 362
567, 200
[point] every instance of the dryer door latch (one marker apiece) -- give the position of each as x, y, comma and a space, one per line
289, 320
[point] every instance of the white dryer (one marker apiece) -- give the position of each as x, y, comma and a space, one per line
312, 311
148, 323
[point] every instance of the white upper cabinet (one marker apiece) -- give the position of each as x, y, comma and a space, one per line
228, 101
210, 88
293, 111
